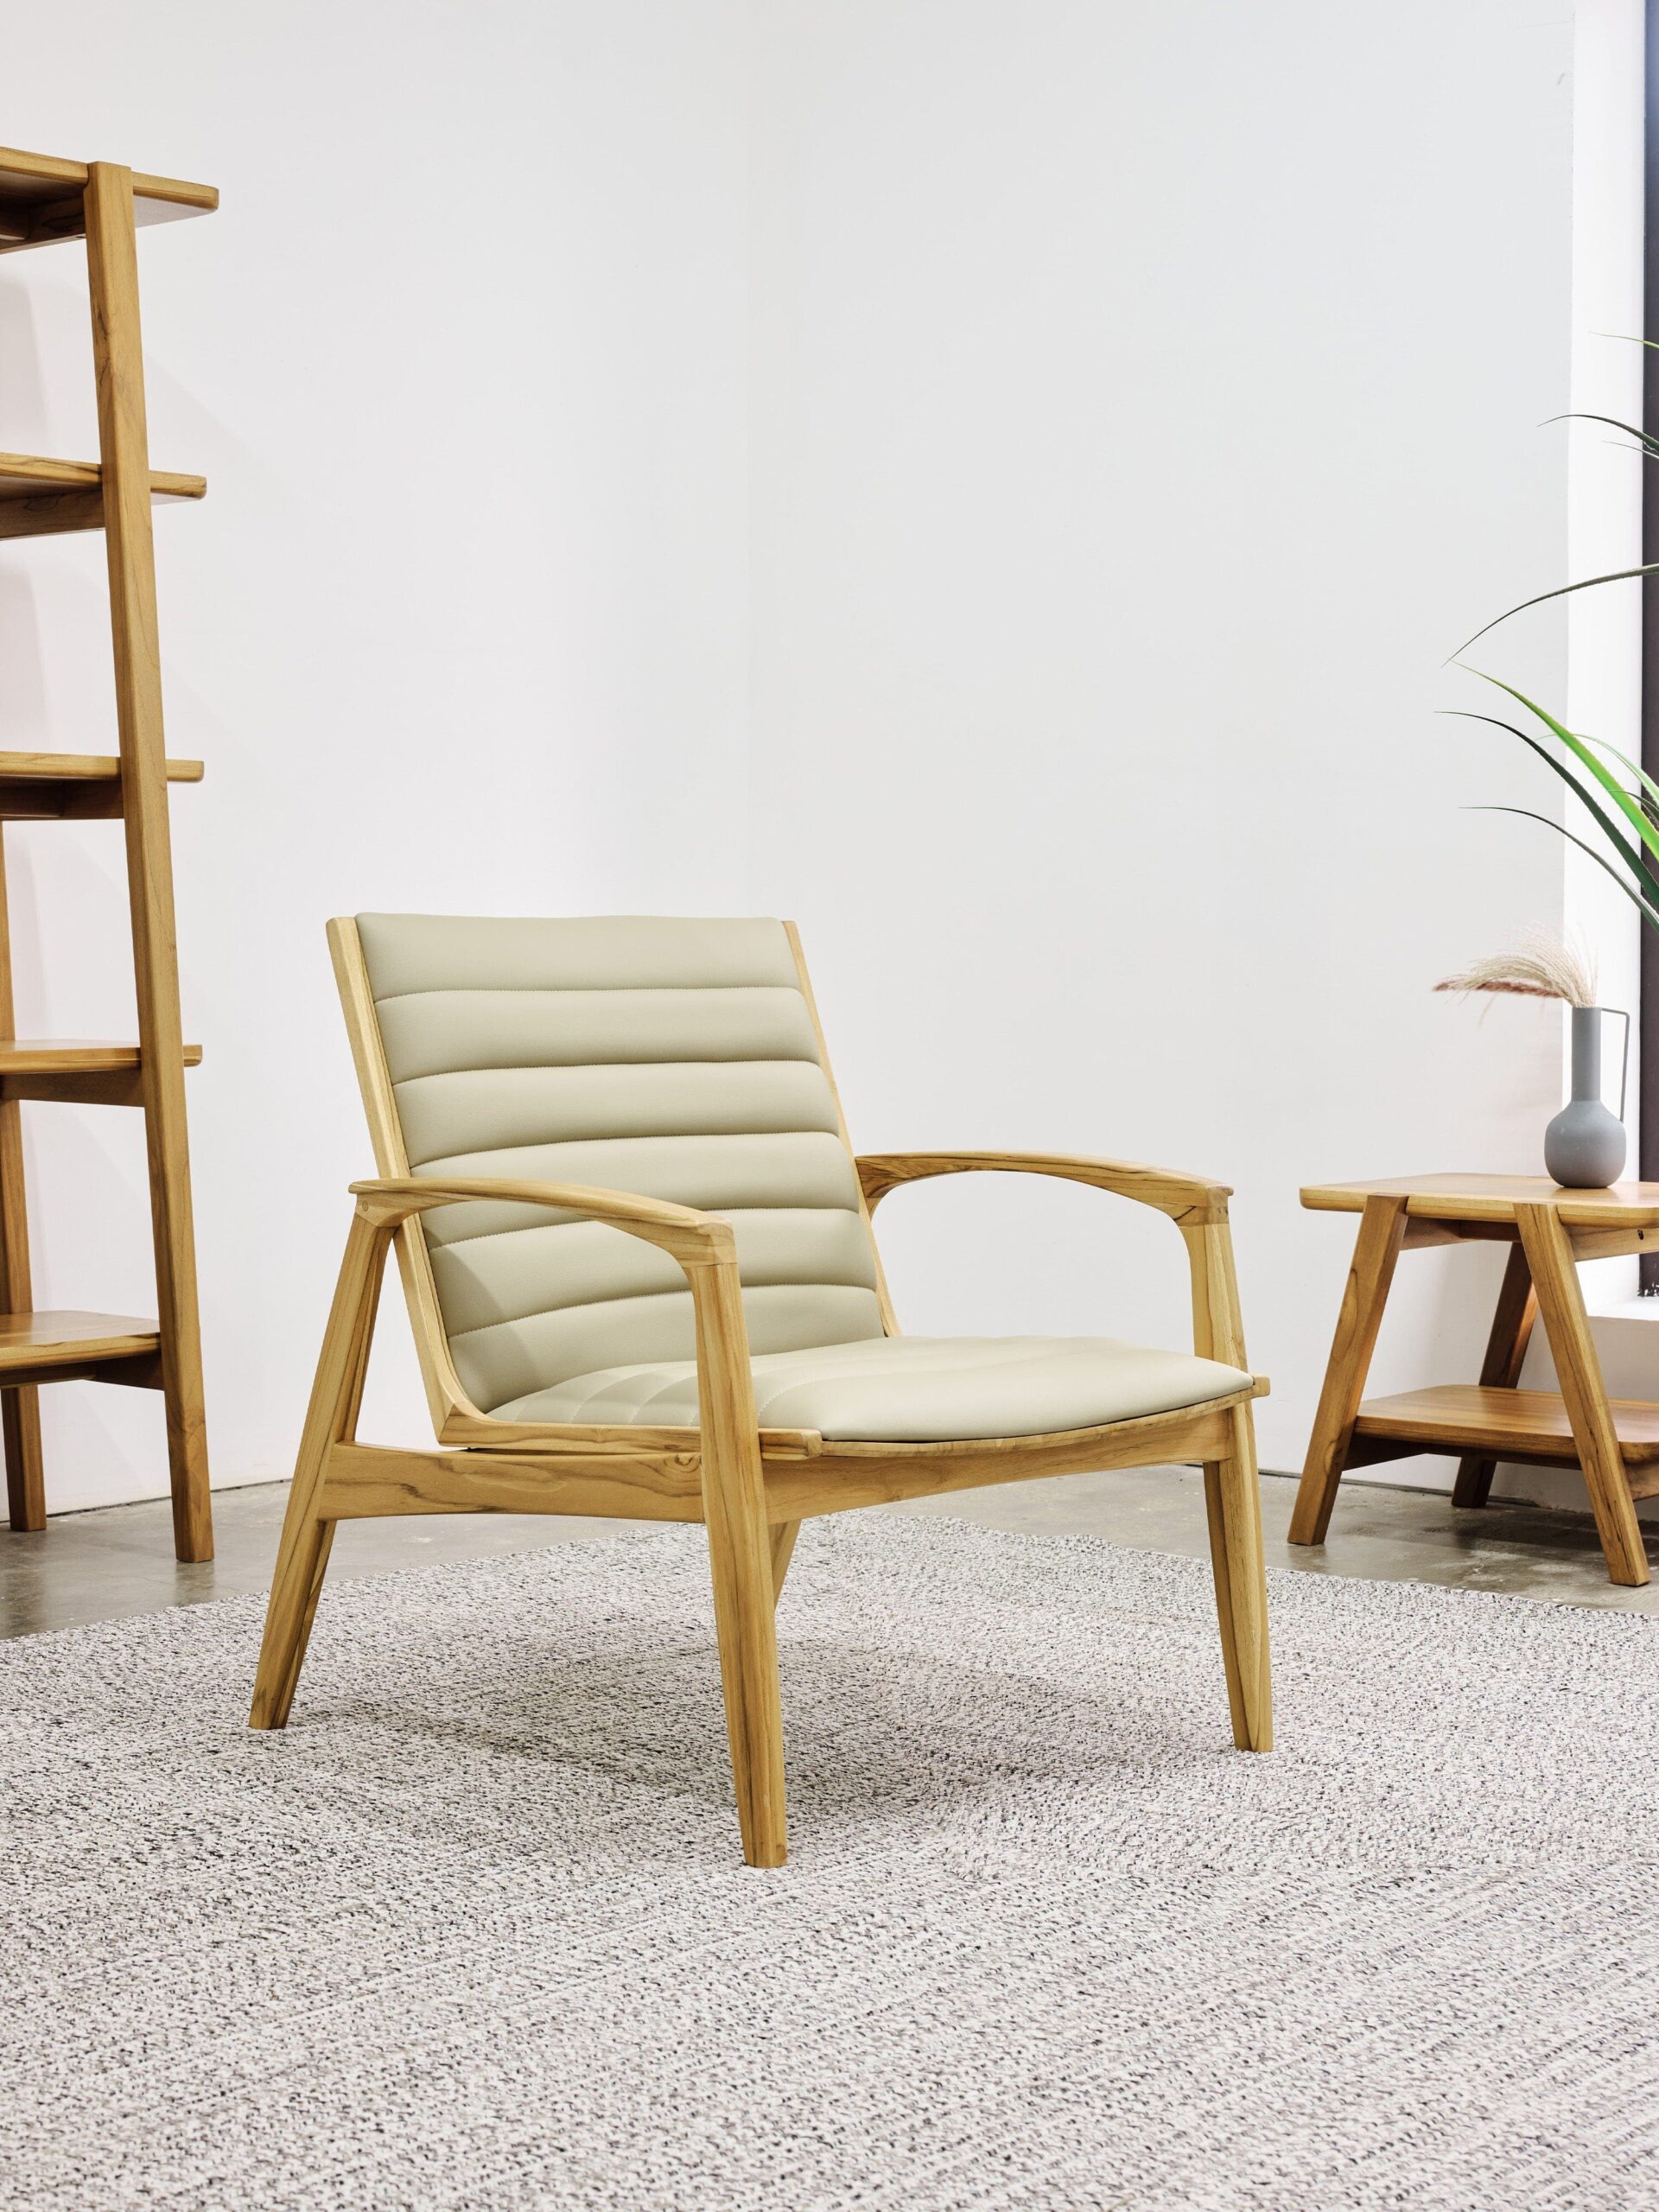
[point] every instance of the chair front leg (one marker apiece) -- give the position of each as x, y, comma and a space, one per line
1232, 1495
330, 1419
740, 1560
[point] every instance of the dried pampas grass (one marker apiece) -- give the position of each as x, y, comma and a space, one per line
1545, 967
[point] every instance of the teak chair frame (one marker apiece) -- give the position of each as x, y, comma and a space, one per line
751, 1486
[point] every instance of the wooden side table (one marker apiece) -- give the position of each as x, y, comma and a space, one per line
1548, 1229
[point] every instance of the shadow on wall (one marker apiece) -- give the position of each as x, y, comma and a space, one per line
25, 389
24, 703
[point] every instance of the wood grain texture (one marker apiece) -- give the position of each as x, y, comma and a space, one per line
588, 1437
71, 786
368, 1480
42, 199
73, 1055
739, 1559
1494, 1199
81, 1087
87, 1071
1232, 1489
783, 1533
1182, 1197
20, 1407
1577, 1371
847, 1475
1506, 1352
681, 1231
1427, 1236
1381, 1232
1218, 1319
1466, 1417
1232, 1497
42, 498
25, 475
37, 1337
1611, 1244
51, 514
308, 1531
82, 767
112, 266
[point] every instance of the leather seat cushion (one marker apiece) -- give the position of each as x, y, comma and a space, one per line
910, 1389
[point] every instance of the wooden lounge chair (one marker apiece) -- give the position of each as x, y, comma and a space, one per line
637, 1250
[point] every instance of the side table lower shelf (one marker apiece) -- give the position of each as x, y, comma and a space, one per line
1460, 1418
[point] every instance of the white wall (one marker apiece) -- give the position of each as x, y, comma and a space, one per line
997, 478
1604, 627
1146, 405
462, 621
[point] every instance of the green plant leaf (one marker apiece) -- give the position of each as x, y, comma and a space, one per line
1631, 854
1646, 911
1648, 445
1619, 577
1633, 814
1649, 788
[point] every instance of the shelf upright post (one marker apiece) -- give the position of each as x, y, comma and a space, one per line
113, 263
20, 1408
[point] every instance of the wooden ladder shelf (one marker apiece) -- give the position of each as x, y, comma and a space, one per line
43, 201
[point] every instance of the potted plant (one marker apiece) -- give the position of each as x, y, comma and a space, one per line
1585, 1145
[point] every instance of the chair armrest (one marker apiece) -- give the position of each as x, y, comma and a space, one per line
1186, 1199
703, 1245
693, 1239
1196, 1206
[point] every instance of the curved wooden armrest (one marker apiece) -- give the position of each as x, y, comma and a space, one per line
1187, 1199
693, 1239
703, 1245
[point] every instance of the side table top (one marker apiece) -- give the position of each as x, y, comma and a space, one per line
1494, 1198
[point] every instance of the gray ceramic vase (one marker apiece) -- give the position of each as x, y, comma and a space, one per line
1583, 1145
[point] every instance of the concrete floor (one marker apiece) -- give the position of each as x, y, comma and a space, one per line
118, 1560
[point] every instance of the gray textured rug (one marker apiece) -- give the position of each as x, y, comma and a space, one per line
473, 1933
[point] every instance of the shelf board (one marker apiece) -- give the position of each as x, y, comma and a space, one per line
61, 1347
1474, 1199
77, 786
41, 199
70, 1055
76, 1071
1463, 1417
40, 497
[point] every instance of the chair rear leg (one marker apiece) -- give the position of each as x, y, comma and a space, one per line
302, 1559
783, 1533
1232, 1498
1212, 1505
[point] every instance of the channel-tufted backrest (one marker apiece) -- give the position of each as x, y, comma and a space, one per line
676, 1059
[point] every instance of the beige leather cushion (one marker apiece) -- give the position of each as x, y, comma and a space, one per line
676, 1059
912, 1389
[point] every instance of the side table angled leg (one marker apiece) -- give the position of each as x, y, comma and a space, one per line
1506, 1352
1381, 1232
1584, 1393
